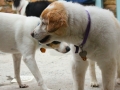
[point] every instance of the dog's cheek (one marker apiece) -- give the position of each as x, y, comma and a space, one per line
50, 28
60, 32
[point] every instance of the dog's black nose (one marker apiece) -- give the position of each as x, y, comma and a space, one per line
67, 49
32, 34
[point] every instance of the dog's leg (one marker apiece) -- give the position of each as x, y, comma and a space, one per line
79, 68
118, 72
108, 68
31, 64
17, 61
94, 82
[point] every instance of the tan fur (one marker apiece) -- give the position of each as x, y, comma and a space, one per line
9, 2
53, 16
54, 46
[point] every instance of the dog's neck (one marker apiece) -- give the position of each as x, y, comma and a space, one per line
77, 24
85, 35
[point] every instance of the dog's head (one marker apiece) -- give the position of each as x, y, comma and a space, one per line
54, 24
54, 17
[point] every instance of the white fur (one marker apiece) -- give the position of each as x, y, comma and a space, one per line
102, 46
15, 38
50, 6
62, 48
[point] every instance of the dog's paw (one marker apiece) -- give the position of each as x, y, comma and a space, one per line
43, 85
23, 86
94, 84
118, 81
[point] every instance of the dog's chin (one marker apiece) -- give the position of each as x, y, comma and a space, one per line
45, 40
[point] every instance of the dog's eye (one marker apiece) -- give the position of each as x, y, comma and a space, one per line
43, 23
56, 42
56, 50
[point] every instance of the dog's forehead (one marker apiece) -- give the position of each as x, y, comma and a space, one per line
51, 6
54, 5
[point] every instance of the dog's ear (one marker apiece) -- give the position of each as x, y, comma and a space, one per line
56, 20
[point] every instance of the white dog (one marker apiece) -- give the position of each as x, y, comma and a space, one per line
15, 38
95, 31
24, 7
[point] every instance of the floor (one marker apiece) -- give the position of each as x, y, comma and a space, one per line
55, 68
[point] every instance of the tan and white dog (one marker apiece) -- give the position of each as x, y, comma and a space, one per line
15, 38
67, 21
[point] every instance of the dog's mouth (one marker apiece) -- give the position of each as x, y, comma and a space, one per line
54, 43
45, 39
